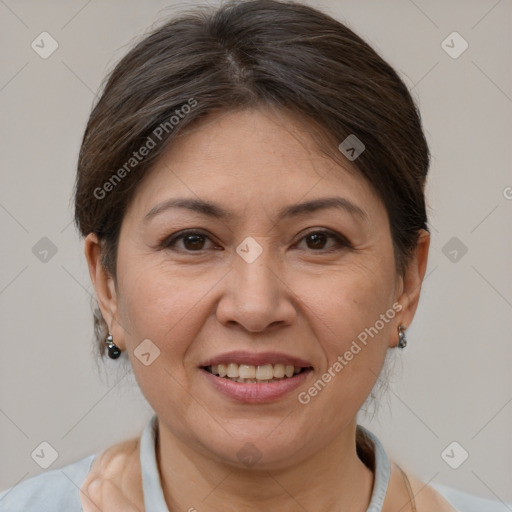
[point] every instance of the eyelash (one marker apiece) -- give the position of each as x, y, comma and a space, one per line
170, 242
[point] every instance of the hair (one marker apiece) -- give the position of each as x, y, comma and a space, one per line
250, 54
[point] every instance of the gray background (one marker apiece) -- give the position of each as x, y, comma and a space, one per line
456, 379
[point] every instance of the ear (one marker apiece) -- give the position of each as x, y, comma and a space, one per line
412, 280
105, 289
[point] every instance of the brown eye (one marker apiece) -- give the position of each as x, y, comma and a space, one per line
191, 241
317, 240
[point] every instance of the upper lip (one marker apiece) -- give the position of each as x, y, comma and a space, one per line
256, 359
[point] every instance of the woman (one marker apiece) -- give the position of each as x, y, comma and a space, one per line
251, 192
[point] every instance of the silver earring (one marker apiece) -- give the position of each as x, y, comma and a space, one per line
113, 350
402, 340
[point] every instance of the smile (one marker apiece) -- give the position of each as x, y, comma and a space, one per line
253, 374
264, 384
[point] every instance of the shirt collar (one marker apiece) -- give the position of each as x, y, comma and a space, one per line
154, 497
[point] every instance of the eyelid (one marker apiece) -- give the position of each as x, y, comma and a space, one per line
170, 241
324, 231
340, 239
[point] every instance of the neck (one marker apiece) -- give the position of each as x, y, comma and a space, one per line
333, 479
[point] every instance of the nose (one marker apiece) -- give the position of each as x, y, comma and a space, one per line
256, 295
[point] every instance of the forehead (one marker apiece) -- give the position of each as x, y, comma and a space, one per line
249, 160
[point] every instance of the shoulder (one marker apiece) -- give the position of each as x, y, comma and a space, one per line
428, 498
118, 467
465, 502
444, 498
115, 458
115, 462
51, 491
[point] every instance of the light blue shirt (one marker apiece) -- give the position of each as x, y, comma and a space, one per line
58, 490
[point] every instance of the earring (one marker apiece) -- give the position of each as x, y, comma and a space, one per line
113, 350
402, 340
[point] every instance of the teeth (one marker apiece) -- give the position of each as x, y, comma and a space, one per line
265, 372
251, 373
248, 372
279, 371
233, 370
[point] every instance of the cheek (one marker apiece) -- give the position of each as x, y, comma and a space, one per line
351, 314
161, 305
349, 300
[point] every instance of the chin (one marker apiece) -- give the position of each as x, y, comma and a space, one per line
258, 447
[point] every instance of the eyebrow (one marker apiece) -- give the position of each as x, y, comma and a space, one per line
218, 212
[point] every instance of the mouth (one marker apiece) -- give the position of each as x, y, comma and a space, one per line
255, 378
255, 374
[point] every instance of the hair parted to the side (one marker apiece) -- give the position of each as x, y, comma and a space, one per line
245, 54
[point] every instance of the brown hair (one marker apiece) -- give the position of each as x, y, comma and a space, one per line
250, 54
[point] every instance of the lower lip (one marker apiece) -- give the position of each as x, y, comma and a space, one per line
254, 392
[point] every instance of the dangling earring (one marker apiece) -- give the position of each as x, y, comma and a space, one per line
113, 350
402, 340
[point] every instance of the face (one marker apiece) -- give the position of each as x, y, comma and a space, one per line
266, 284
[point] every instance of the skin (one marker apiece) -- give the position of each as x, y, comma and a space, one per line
200, 299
